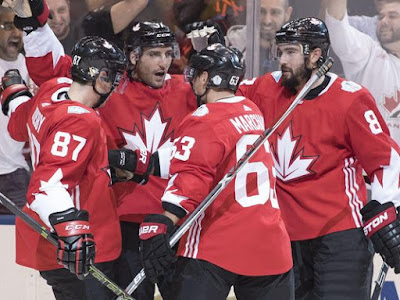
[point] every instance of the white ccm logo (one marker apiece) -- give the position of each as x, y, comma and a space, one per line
148, 229
375, 223
77, 227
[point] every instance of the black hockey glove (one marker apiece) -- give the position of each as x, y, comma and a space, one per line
12, 86
155, 253
138, 162
382, 226
76, 247
204, 33
40, 14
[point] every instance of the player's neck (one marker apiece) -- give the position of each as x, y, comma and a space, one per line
317, 83
214, 96
83, 94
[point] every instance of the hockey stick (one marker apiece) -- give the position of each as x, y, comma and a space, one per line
96, 273
380, 281
235, 169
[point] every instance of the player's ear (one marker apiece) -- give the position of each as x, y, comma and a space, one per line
204, 78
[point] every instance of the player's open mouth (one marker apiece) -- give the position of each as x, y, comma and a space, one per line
160, 74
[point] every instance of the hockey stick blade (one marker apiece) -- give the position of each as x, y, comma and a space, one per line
236, 168
44, 232
380, 281
20, 7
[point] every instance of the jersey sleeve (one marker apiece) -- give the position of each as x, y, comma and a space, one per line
45, 57
197, 153
20, 108
64, 157
377, 152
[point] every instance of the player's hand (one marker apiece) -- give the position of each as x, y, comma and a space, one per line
382, 226
12, 86
155, 252
40, 14
204, 33
139, 163
76, 246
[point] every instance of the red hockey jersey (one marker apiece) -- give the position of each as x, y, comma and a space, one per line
242, 230
69, 157
140, 117
320, 151
136, 115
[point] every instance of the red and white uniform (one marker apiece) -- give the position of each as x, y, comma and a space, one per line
320, 150
136, 115
69, 156
242, 230
146, 118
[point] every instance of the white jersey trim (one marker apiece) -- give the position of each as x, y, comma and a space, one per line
351, 190
15, 103
193, 238
41, 42
233, 99
52, 197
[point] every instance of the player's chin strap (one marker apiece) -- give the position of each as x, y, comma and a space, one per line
103, 96
137, 280
198, 97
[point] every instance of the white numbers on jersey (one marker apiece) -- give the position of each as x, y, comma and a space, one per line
265, 192
61, 143
373, 122
187, 143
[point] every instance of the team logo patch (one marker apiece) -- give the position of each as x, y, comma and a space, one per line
276, 75
350, 86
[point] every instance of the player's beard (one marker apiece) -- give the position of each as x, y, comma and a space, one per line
297, 77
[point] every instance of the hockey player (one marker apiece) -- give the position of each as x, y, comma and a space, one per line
240, 240
319, 153
70, 181
142, 118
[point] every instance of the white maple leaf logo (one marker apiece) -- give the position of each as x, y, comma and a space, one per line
290, 164
153, 135
385, 185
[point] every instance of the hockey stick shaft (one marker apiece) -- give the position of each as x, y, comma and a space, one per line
235, 169
380, 281
44, 232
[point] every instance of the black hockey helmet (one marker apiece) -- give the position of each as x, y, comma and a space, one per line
225, 66
311, 33
92, 54
150, 34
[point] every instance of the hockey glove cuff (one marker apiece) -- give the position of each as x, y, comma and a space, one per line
12, 86
155, 252
40, 14
382, 226
139, 162
76, 246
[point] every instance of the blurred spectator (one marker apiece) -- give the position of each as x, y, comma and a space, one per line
225, 13
273, 14
374, 65
365, 24
109, 22
67, 33
14, 176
